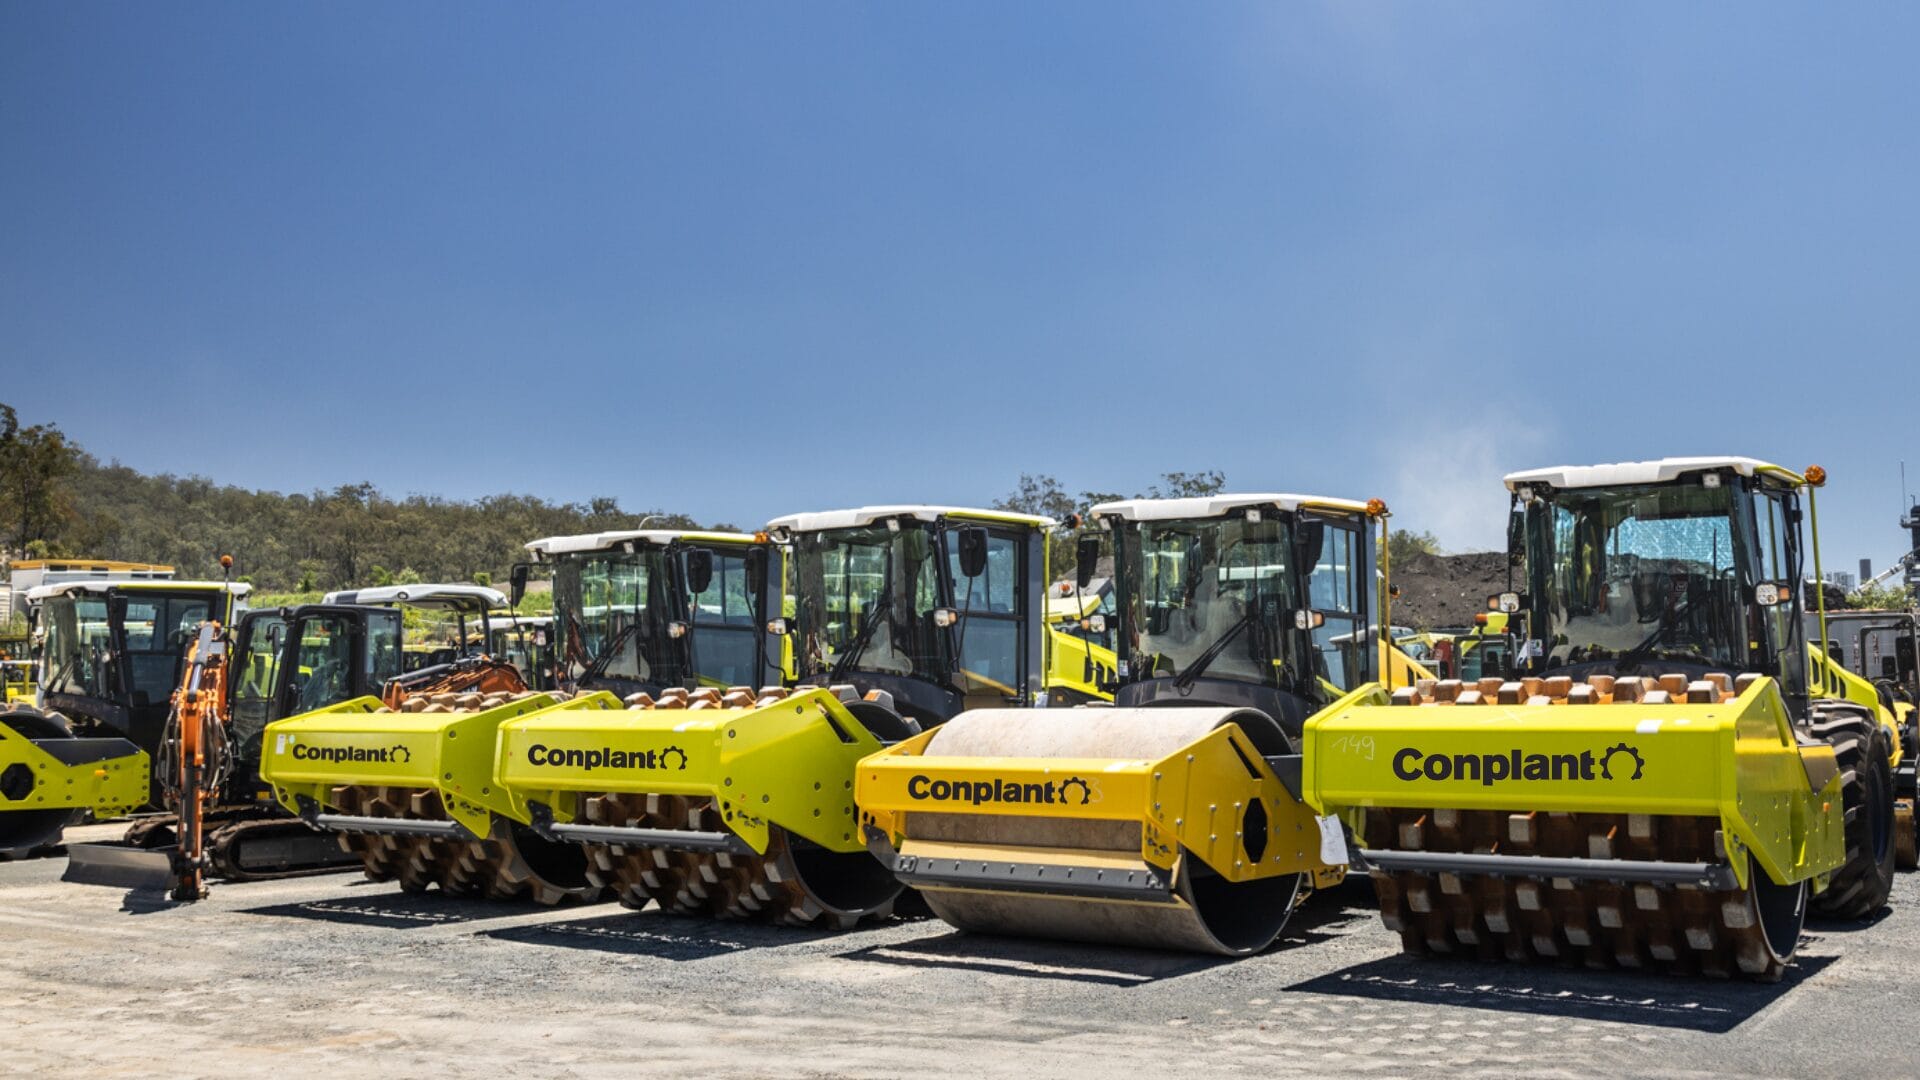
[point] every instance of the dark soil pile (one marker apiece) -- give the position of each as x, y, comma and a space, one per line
1446, 590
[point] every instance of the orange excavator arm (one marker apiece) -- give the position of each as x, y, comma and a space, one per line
195, 752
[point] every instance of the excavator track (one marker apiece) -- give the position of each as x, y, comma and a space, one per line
501, 866
1595, 924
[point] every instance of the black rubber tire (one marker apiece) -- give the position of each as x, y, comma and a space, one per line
1860, 887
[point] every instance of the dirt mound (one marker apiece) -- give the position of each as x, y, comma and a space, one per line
1446, 590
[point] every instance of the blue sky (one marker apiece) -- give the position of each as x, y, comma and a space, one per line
743, 260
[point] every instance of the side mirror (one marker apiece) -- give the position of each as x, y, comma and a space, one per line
517, 583
1312, 538
1307, 619
699, 570
1517, 538
973, 551
1086, 557
757, 560
1766, 594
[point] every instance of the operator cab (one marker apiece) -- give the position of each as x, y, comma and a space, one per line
644, 610
111, 654
1261, 601
1687, 565
938, 606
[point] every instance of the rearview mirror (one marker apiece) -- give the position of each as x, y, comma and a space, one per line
756, 573
699, 570
517, 583
1766, 594
1516, 539
1086, 558
1312, 537
973, 551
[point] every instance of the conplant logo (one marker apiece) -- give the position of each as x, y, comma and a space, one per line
1073, 791
383, 755
671, 758
1616, 762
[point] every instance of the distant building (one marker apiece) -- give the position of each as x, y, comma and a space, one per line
1840, 579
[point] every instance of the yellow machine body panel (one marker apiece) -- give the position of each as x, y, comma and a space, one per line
1079, 665
1843, 683
106, 776
788, 762
360, 743
1734, 758
1194, 798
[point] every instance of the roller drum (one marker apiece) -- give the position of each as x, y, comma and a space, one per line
1206, 913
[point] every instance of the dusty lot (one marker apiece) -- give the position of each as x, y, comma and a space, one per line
337, 977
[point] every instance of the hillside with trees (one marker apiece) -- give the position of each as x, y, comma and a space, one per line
56, 499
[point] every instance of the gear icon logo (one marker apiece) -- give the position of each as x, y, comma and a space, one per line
1086, 789
682, 754
402, 755
1606, 761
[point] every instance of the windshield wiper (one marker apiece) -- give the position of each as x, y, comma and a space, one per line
1668, 622
1200, 663
607, 652
865, 634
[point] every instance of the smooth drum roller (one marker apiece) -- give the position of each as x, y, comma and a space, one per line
1159, 827
48, 777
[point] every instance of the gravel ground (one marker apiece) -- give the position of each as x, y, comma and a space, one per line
340, 977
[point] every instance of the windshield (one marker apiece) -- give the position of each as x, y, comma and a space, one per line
864, 601
1643, 572
78, 646
1214, 593
727, 624
606, 607
80, 655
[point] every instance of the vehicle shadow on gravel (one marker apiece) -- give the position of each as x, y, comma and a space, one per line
397, 910
657, 934
1110, 965
1818, 924
1705, 1005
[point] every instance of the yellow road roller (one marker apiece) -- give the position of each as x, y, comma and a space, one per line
1172, 819
1661, 780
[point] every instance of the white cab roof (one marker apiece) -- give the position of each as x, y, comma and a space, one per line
1212, 506
60, 588
1639, 472
608, 541
866, 515
448, 597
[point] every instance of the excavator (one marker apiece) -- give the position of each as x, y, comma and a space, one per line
237, 675
1171, 820
1666, 777
109, 655
410, 787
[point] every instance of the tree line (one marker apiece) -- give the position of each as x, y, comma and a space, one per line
57, 500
